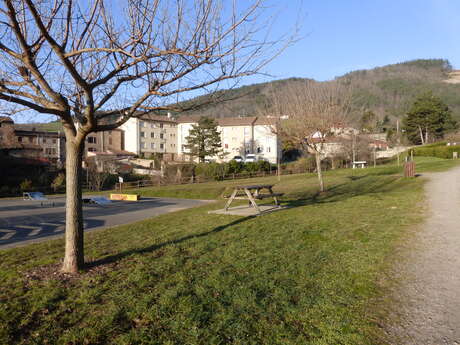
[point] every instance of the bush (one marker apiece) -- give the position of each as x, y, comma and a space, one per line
235, 167
25, 185
436, 150
216, 171
58, 182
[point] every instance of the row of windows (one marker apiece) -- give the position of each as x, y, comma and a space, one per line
31, 140
259, 149
50, 151
152, 135
155, 125
153, 146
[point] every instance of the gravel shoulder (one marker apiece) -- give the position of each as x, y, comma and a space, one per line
427, 303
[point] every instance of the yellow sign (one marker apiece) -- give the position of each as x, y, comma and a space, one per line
125, 197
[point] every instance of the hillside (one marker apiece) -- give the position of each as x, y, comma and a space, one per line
387, 90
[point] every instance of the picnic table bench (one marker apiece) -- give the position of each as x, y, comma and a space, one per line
251, 193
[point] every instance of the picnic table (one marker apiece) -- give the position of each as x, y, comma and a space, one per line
251, 193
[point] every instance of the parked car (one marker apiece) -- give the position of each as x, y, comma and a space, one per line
250, 158
238, 159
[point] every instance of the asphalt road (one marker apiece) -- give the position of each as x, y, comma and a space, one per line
25, 221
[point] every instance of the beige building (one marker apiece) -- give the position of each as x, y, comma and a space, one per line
108, 141
239, 136
151, 134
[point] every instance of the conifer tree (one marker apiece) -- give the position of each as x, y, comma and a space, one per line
204, 139
428, 119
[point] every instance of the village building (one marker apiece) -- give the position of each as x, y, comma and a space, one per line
151, 134
29, 141
239, 136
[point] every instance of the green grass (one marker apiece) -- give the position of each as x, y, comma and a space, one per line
305, 275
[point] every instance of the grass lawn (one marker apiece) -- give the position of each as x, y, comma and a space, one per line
305, 275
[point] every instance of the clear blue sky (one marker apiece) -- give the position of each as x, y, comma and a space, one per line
345, 35
340, 36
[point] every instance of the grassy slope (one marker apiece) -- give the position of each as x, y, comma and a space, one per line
303, 275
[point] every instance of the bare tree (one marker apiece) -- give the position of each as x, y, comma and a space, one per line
94, 64
312, 112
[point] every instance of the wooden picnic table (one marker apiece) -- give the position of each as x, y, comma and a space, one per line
251, 193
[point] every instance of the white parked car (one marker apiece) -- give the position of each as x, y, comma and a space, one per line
250, 158
238, 159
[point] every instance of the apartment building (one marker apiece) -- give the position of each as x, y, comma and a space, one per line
151, 134
239, 136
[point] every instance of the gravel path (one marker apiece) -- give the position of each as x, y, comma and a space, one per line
429, 300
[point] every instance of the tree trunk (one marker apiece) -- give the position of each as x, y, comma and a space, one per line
421, 135
74, 254
426, 135
320, 174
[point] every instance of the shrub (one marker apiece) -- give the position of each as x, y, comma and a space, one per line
58, 182
216, 171
437, 150
25, 185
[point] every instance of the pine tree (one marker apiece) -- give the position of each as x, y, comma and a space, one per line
428, 119
204, 139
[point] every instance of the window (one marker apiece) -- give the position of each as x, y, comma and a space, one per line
162, 146
161, 125
141, 123
54, 141
31, 139
226, 146
44, 140
92, 140
91, 149
142, 134
152, 125
152, 135
110, 141
152, 145
161, 136
268, 149
20, 139
142, 145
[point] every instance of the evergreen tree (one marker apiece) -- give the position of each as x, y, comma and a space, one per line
204, 139
368, 121
428, 119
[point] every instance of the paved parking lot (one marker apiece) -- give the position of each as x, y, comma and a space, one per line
25, 221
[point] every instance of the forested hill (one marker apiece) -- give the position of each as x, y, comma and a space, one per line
387, 90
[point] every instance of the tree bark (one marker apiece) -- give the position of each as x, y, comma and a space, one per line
74, 255
318, 170
421, 135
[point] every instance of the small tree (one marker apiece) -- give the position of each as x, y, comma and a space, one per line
368, 121
204, 139
58, 182
313, 112
428, 119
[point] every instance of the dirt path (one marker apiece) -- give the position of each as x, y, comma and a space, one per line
429, 299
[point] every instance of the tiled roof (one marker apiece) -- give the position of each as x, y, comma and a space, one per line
160, 118
223, 121
6, 119
237, 121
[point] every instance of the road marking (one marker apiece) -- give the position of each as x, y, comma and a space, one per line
34, 232
8, 235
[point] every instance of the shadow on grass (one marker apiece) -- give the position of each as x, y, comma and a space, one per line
358, 186
116, 257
